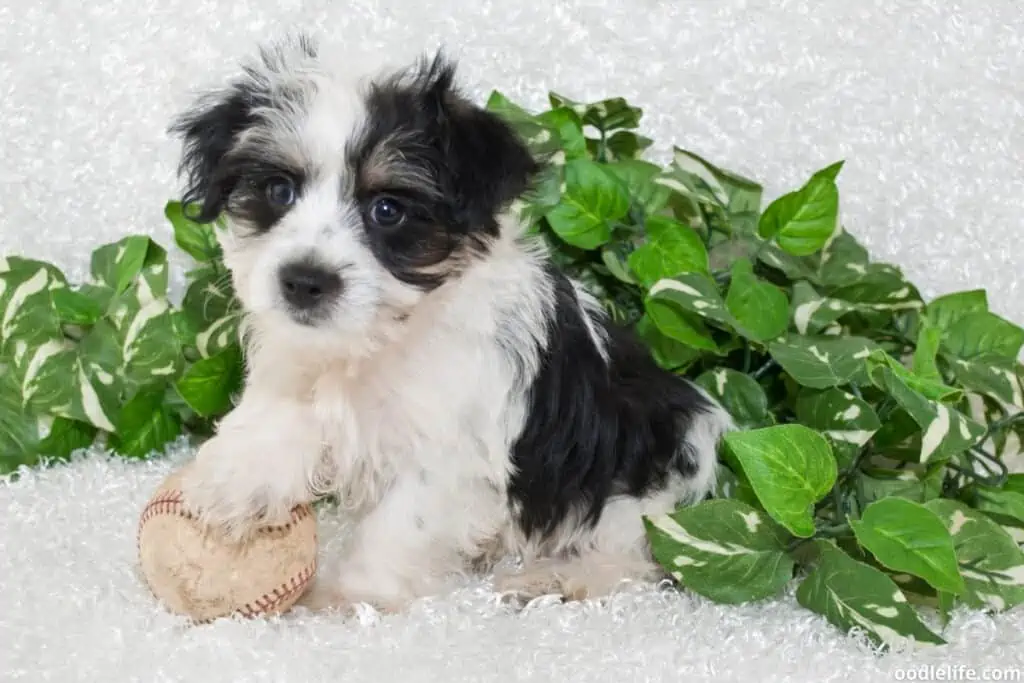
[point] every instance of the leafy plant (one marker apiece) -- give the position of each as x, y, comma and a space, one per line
870, 466
112, 361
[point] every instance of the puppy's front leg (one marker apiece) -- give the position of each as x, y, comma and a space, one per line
264, 459
407, 545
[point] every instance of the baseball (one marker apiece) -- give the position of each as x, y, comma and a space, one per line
197, 574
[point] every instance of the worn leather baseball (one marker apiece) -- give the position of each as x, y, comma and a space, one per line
196, 573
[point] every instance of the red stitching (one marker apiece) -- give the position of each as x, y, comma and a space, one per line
266, 603
171, 503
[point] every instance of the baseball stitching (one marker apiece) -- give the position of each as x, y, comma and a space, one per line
171, 503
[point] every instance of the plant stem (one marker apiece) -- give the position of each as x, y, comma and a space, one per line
602, 148
832, 530
998, 425
982, 479
763, 370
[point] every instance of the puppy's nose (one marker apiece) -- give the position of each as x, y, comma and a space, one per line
306, 285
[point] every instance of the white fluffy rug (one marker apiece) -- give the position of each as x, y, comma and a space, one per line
923, 98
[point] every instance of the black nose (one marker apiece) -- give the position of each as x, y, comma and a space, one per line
305, 285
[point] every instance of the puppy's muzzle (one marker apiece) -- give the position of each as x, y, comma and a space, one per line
307, 287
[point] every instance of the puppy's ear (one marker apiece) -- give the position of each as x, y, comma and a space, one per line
208, 131
490, 164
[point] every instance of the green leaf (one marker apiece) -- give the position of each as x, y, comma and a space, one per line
638, 177
925, 366
880, 287
694, 293
790, 467
847, 421
984, 334
732, 486
929, 388
117, 264
668, 353
1015, 482
739, 196
990, 561
740, 395
28, 318
542, 196
145, 331
989, 375
592, 200
567, 124
760, 308
822, 362
803, 221
625, 145
813, 312
76, 307
1004, 505
64, 437
607, 115
154, 274
946, 431
671, 249
212, 312
919, 486
854, 595
793, 267
196, 239
724, 550
19, 431
908, 537
145, 425
679, 325
540, 139
49, 383
843, 261
616, 261
948, 309
209, 385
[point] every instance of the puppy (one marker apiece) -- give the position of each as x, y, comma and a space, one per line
412, 351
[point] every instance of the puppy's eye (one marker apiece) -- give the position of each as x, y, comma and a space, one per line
386, 212
280, 191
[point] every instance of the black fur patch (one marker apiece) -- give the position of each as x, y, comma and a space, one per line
466, 163
213, 168
594, 429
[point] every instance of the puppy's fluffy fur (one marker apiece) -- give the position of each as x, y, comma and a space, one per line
412, 351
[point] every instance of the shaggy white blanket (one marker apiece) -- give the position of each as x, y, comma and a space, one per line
922, 97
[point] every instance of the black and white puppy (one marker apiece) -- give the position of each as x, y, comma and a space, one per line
411, 351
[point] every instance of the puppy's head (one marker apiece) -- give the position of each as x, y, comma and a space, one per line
347, 198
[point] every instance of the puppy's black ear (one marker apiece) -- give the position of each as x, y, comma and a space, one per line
490, 164
208, 131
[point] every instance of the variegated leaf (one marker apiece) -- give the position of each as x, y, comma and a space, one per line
146, 334
946, 431
813, 312
853, 595
724, 550
822, 362
990, 375
847, 421
739, 394
990, 561
212, 312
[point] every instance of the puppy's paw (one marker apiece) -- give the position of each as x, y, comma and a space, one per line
529, 583
326, 597
226, 495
